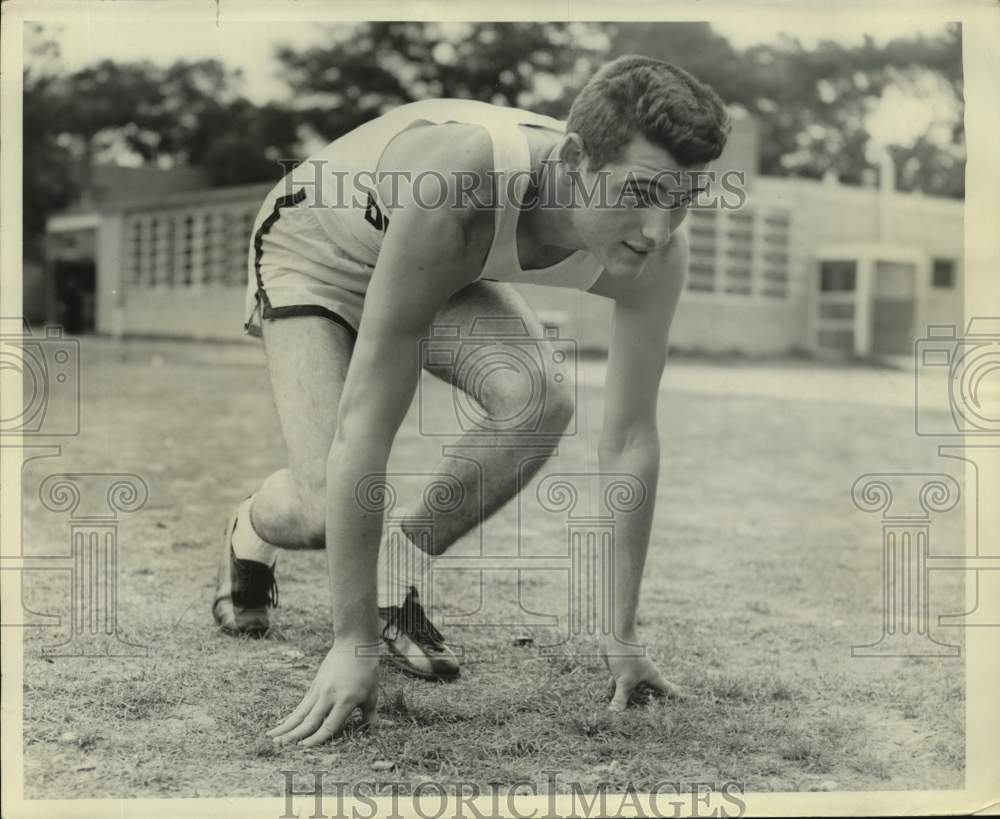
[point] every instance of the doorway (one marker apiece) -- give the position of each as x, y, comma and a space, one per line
893, 307
75, 295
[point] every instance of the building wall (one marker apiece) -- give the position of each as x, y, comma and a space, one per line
822, 214
177, 266
830, 213
937, 227
200, 293
702, 323
208, 312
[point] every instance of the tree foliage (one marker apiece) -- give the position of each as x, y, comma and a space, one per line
49, 177
373, 67
187, 113
814, 105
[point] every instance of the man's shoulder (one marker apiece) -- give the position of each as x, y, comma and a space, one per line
448, 147
446, 168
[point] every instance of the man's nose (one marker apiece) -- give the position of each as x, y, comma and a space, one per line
657, 226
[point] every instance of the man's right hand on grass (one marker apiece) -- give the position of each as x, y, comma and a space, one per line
346, 680
423, 261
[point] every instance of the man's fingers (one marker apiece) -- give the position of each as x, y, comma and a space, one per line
663, 686
304, 707
331, 726
309, 723
368, 709
623, 690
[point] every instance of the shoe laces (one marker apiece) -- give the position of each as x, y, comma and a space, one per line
257, 578
412, 621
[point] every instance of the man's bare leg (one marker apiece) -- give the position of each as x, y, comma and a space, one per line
495, 474
489, 476
307, 360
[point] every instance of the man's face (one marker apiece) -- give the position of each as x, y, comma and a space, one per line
636, 203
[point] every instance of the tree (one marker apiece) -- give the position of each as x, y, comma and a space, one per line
189, 113
178, 115
372, 67
49, 175
815, 105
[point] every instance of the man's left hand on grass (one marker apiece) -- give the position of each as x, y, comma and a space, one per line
631, 669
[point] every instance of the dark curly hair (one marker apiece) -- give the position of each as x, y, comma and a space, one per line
639, 95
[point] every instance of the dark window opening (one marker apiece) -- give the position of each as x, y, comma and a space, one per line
943, 274
840, 275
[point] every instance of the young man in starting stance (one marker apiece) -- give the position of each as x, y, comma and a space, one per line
344, 288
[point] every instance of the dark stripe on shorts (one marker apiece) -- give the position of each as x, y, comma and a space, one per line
270, 312
258, 238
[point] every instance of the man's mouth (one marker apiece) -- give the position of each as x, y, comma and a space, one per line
638, 250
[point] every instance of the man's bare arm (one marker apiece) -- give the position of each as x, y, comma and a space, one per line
422, 262
630, 445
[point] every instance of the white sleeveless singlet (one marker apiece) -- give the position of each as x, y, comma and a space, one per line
312, 212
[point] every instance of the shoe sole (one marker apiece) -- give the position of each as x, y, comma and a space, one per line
398, 661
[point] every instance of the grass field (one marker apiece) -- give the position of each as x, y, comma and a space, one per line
761, 575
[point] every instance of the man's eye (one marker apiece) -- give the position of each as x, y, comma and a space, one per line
644, 197
633, 194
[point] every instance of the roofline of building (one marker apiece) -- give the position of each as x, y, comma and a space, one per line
204, 196
891, 250
209, 196
899, 197
72, 220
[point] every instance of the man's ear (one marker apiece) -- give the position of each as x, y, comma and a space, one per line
573, 152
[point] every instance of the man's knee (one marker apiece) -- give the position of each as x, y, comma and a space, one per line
529, 404
312, 511
559, 410
293, 506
